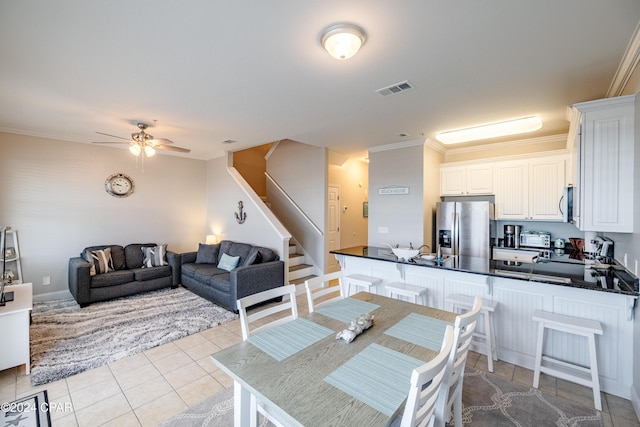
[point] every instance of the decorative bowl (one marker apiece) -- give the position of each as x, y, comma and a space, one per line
405, 253
428, 257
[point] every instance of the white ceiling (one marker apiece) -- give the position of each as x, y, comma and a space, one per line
254, 71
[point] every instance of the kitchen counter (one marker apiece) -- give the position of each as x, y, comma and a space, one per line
606, 278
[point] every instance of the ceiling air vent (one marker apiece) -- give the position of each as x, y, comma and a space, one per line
396, 88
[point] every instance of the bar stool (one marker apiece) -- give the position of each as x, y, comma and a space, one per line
411, 291
565, 370
361, 280
486, 340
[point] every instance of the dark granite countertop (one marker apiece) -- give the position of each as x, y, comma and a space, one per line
563, 271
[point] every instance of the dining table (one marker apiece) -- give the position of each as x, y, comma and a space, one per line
306, 376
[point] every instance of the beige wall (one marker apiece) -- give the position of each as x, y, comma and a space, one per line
252, 165
53, 194
431, 175
352, 176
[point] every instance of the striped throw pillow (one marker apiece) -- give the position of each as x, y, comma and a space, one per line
154, 256
101, 261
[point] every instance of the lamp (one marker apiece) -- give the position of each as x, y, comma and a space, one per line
211, 239
342, 41
492, 130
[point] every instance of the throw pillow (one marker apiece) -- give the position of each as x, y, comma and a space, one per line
100, 260
228, 262
154, 256
207, 254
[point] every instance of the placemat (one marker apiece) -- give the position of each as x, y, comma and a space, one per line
377, 376
289, 338
347, 309
422, 330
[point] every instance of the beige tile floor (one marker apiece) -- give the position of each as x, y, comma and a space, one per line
148, 388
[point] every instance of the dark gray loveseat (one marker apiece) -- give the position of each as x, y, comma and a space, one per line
129, 276
258, 269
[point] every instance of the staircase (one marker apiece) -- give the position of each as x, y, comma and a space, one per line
299, 271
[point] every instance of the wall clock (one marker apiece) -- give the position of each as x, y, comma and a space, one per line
119, 185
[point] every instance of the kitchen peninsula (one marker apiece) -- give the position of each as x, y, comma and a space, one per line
563, 288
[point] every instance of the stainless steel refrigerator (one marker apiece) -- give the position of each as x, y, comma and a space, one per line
465, 228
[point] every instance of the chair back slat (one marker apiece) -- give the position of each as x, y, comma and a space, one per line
318, 287
260, 297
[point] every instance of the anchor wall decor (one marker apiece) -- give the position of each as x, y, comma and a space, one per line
240, 215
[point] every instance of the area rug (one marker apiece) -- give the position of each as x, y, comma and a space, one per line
30, 411
67, 339
488, 400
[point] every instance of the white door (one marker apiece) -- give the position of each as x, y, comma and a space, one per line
333, 207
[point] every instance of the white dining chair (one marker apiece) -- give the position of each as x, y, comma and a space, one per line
246, 320
319, 287
261, 297
451, 388
425, 387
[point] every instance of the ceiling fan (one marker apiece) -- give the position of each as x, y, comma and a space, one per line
144, 142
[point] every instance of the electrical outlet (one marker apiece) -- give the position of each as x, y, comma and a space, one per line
46, 280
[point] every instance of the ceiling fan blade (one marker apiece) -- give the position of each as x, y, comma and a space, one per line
172, 148
160, 141
114, 136
110, 142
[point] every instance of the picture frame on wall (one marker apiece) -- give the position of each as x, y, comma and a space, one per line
365, 209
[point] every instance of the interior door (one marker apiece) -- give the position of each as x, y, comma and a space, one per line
333, 207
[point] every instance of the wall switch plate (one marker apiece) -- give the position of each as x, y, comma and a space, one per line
383, 230
46, 280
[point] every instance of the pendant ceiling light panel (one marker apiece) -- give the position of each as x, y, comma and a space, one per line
492, 130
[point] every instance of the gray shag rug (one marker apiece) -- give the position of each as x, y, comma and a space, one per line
67, 339
488, 400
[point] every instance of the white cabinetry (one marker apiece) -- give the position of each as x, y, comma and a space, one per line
466, 180
530, 189
607, 164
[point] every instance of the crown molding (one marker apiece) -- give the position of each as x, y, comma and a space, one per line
627, 66
436, 146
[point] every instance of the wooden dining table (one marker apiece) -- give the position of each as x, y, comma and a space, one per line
308, 377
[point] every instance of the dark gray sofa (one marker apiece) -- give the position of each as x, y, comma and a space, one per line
129, 277
258, 269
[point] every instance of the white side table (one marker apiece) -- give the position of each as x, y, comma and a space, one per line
14, 324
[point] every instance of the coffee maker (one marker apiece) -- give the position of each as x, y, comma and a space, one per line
512, 236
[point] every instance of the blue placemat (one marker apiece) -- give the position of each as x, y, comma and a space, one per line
347, 309
422, 330
289, 338
377, 376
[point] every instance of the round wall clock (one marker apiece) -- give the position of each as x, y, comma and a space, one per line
119, 185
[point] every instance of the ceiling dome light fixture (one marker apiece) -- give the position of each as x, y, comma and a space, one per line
342, 41
492, 130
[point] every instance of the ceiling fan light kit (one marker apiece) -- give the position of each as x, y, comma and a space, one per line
343, 40
491, 130
143, 142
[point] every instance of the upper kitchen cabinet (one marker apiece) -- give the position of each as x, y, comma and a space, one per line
606, 164
466, 180
530, 189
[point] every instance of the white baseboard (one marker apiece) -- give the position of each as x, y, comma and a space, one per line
52, 296
635, 401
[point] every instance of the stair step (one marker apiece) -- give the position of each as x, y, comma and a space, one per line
297, 271
301, 280
296, 259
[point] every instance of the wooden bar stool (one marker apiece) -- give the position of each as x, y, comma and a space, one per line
363, 281
411, 291
565, 370
486, 340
